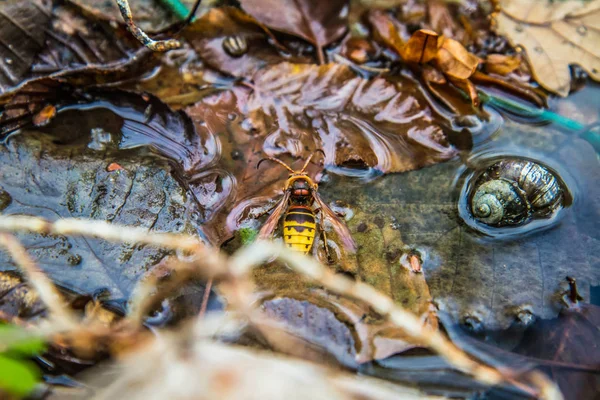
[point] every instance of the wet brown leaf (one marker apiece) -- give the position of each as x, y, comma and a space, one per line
570, 339
469, 88
363, 126
387, 30
17, 299
319, 22
208, 33
24, 28
454, 60
554, 35
501, 64
66, 40
344, 328
422, 47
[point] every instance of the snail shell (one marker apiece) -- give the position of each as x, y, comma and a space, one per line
512, 191
235, 46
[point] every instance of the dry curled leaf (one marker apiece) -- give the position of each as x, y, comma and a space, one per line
386, 30
319, 22
454, 60
422, 47
501, 64
554, 35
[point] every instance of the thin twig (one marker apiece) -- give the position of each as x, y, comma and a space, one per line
205, 298
237, 286
48, 293
140, 35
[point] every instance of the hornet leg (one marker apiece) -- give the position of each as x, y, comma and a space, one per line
324, 236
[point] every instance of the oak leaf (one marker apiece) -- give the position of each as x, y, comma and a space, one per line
554, 36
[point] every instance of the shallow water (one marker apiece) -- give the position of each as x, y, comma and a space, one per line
481, 273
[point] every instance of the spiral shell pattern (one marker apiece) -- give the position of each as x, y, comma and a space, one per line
513, 191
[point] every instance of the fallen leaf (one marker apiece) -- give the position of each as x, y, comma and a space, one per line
44, 116
17, 300
467, 86
454, 60
25, 31
387, 30
501, 64
554, 35
319, 22
362, 125
114, 167
208, 33
422, 47
570, 339
65, 40
344, 328
71, 180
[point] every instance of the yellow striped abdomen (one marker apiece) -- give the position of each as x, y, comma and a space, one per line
299, 228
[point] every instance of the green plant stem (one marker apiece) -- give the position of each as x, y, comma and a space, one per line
528, 111
177, 8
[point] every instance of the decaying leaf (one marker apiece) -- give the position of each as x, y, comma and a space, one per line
210, 32
387, 30
23, 33
501, 64
555, 34
17, 300
570, 339
74, 178
344, 328
63, 39
361, 125
456, 61
422, 47
319, 22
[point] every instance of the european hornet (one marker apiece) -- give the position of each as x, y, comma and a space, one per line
299, 206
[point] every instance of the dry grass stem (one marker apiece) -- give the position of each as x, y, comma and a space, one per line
233, 277
48, 293
104, 230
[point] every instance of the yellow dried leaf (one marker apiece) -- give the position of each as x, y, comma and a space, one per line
501, 64
455, 61
467, 86
554, 34
422, 47
385, 31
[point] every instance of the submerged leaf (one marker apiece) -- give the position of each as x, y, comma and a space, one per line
72, 179
570, 339
319, 22
208, 35
554, 35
